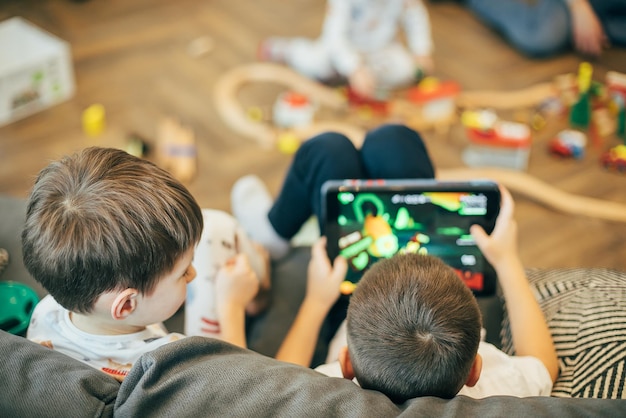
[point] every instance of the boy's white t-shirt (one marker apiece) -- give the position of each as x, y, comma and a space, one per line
501, 374
52, 327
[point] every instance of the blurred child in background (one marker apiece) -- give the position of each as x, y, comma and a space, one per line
360, 44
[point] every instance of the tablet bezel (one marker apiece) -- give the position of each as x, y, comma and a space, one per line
330, 209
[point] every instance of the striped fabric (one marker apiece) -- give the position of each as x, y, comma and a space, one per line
586, 311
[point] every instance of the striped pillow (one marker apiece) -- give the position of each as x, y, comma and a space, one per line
586, 311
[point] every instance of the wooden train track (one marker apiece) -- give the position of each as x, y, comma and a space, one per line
232, 112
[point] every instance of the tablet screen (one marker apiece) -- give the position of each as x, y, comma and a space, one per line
365, 221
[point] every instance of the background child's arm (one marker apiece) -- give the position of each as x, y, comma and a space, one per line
529, 330
236, 285
322, 292
587, 31
418, 34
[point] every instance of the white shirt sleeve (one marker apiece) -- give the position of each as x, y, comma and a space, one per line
330, 369
509, 375
335, 34
417, 28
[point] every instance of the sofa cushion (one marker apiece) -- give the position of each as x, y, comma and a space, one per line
586, 312
40, 382
200, 377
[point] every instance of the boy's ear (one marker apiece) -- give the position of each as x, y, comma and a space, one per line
346, 363
475, 370
124, 303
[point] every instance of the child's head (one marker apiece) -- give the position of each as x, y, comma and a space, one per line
102, 220
413, 328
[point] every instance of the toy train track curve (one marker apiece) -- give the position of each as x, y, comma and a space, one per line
235, 117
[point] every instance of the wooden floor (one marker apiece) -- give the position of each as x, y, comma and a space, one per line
132, 57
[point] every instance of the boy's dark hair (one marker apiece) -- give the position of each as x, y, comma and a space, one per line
102, 219
413, 328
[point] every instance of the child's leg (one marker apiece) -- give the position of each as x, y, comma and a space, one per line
393, 67
329, 156
324, 157
538, 28
396, 152
221, 239
309, 57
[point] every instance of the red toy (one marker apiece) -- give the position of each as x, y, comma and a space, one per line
378, 107
615, 159
569, 143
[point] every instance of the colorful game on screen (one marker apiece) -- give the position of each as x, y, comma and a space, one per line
372, 224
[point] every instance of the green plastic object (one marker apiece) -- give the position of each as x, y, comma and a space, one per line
17, 303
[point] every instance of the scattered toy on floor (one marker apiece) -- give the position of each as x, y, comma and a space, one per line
569, 143
615, 159
200, 46
137, 145
94, 120
176, 149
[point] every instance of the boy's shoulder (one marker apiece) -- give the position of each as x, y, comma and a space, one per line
507, 375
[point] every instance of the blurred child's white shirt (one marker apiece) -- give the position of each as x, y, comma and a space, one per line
366, 32
366, 26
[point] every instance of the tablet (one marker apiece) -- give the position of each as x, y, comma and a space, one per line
366, 220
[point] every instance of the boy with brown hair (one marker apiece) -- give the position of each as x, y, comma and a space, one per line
413, 327
112, 238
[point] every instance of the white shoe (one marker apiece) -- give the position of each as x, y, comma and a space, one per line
251, 202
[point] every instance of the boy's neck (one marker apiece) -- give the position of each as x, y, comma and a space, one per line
91, 325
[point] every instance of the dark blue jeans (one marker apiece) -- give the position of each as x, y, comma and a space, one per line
542, 28
388, 152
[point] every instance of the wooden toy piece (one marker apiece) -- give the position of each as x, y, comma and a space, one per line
506, 144
602, 122
429, 105
542, 192
615, 159
526, 97
229, 108
200, 46
293, 109
176, 149
616, 86
567, 87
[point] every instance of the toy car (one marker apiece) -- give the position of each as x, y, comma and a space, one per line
569, 143
482, 120
501, 134
293, 109
615, 159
